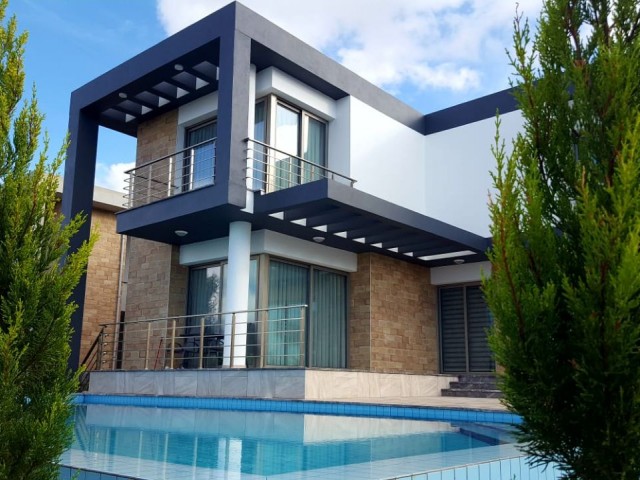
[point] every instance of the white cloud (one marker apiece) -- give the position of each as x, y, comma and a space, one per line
112, 176
438, 44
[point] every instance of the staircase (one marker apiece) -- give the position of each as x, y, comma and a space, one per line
473, 386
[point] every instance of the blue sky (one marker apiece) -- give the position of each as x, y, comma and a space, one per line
429, 53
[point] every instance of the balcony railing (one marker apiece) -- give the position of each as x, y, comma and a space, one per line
270, 169
270, 337
179, 172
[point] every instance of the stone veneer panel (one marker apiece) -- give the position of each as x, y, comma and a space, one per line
157, 284
157, 137
101, 296
396, 312
360, 315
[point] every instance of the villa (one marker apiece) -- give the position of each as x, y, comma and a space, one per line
286, 218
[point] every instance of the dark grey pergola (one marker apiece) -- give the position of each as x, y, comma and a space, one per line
216, 54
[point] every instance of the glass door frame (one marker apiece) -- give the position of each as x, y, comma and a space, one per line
263, 303
268, 171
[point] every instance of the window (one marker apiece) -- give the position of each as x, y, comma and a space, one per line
299, 141
205, 296
199, 160
325, 331
464, 322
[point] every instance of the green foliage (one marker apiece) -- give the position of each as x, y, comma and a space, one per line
35, 285
565, 283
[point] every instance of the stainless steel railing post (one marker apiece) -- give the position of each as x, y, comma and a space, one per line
302, 343
233, 338
173, 343
170, 179
201, 351
146, 357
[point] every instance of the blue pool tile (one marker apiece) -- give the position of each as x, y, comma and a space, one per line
484, 471
505, 468
525, 470
460, 473
64, 473
473, 472
515, 467
419, 476
494, 471
448, 475
434, 476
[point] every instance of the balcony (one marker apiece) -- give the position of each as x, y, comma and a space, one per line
270, 169
180, 172
271, 337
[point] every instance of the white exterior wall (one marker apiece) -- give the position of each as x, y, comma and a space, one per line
339, 133
465, 273
272, 80
458, 182
387, 158
273, 243
192, 113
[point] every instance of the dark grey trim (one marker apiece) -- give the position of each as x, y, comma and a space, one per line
192, 41
469, 112
233, 114
77, 197
274, 46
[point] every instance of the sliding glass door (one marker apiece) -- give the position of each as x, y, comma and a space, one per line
288, 286
321, 340
328, 320
203, 300
292, 134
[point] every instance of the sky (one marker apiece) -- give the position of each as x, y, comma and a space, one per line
431, 54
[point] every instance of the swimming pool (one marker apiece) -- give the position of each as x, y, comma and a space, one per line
177, 443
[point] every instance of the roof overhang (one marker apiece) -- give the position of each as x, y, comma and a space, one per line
324, 211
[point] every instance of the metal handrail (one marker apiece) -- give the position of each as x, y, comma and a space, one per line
333, 173
93, 346
209, 340
179, 172
151, 162
214, 314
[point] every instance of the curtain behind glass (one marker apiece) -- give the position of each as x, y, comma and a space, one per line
315, 150
202, 159
328, 322
260, 159
287, 286
286, 168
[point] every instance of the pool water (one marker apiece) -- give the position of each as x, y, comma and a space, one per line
249, 444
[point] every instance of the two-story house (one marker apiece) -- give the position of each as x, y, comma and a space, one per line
345, 229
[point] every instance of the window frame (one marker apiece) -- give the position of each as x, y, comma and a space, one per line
188, 174
271, 102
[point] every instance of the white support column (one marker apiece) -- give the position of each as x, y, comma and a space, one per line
236, 292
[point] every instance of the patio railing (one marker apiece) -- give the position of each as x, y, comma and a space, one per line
179, 172
270, 169
270, 337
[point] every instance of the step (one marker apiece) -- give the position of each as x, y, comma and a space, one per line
488, 379
490, 433
471, 393
472, 386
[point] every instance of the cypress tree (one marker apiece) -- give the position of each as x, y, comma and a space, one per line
36, 281
565, 282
